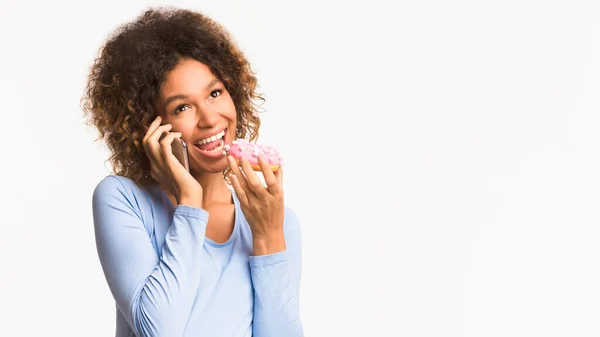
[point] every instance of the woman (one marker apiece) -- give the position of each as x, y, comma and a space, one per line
183, 253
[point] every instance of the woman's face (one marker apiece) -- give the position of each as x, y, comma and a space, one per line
197, 104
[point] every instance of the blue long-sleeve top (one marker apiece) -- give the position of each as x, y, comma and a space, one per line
169, 279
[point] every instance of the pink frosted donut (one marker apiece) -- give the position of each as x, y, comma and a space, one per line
241, 148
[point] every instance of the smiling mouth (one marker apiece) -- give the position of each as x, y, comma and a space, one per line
212, 144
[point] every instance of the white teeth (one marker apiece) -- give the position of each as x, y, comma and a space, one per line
217, 149
211, 139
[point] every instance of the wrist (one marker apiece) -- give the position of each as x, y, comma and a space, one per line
268, 243
190, 200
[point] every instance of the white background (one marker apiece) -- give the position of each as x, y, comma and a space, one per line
443, 157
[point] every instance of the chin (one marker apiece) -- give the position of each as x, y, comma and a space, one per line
214, 167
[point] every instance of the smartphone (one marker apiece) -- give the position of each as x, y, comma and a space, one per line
180, 150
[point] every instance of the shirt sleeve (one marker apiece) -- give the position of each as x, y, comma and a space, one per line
155, 293
276, 282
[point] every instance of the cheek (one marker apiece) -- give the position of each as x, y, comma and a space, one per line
231, 108
232, 130
228, 110
186, 127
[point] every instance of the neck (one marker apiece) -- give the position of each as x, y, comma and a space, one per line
214, 188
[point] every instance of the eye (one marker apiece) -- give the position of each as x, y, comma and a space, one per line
216, 93
181, 108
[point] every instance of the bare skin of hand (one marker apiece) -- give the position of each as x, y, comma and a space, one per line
166, 169
262, 206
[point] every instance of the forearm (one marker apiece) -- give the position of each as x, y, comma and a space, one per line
164, 301
276, 295
153, 289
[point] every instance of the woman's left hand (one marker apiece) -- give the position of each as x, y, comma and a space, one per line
262, 206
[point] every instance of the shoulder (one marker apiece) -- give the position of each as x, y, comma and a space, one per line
118, 192
113, 186
118, 196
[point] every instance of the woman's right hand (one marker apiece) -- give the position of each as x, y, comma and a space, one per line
166, 169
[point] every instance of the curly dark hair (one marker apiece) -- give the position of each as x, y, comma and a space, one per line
124, 81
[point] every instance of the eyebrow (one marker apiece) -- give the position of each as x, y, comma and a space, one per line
181, 96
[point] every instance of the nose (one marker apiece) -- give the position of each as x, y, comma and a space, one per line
207, 117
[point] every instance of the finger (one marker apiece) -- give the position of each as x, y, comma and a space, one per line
279, 176
239, 191
166, 148
253, 182
167, 140
153, 139
151, 143
236, 171
151, 128
270, 178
